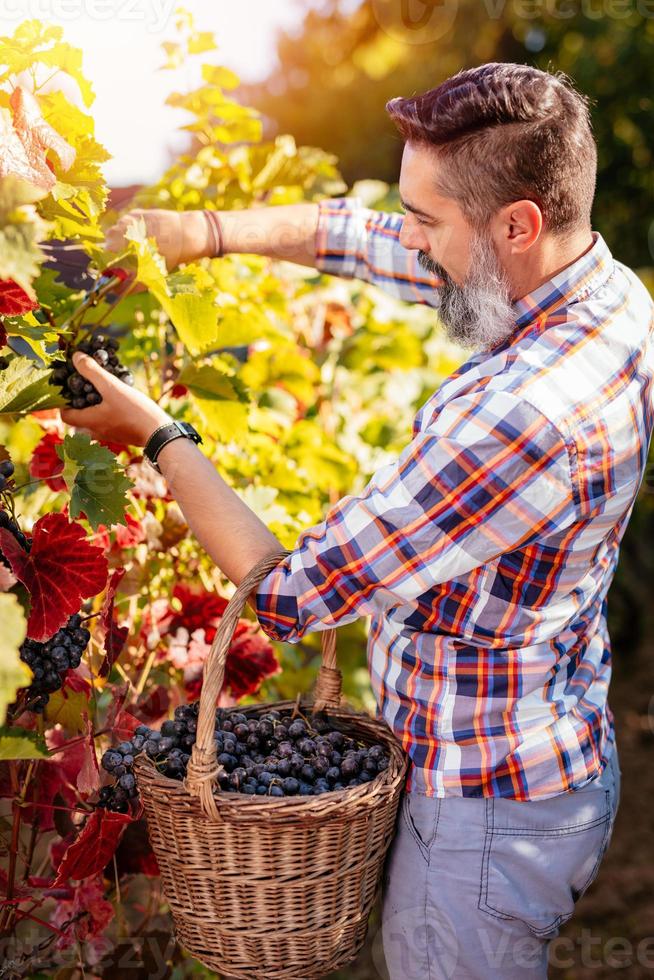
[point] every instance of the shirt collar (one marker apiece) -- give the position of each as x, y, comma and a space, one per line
572, 284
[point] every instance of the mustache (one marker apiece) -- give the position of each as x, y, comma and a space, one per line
429, 265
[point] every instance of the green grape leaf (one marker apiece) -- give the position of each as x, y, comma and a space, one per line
201, 41
18, 743
175, 55
36, 43
57, 296
191, 308
222, 77
284, 365
18, 51
16, 191
221, 398
97, 483
65, 57
243, 325
328, 466
150, 265
20, 232
39, 336
24, 387
195, 318
14, 674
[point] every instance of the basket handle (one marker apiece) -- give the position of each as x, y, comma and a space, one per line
203, 767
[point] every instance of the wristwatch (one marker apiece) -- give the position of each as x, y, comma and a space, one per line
165, 434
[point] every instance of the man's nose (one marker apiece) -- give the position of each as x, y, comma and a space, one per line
412, 237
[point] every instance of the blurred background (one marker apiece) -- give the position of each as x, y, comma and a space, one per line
323, 72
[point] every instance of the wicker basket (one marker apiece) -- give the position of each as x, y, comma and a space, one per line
275, 887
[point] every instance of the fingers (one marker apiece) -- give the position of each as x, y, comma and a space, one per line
79, 418
92, 371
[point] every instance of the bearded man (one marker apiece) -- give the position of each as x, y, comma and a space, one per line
483, 555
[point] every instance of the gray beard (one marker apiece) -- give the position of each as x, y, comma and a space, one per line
479, 314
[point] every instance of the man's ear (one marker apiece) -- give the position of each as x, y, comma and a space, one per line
520, 225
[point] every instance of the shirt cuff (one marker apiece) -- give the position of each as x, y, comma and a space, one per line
277, 613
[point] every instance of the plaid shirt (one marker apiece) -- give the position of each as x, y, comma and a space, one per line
484, 554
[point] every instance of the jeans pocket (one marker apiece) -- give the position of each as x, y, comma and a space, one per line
420, 815
540, 857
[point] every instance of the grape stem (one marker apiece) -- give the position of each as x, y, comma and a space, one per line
91, 300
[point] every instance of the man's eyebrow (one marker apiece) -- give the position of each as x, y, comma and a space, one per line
414, 210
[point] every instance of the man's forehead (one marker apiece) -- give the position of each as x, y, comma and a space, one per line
418, 181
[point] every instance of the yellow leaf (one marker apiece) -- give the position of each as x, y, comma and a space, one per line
14, 674
66, 708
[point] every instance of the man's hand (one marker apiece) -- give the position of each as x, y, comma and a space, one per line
125, 415
181, 236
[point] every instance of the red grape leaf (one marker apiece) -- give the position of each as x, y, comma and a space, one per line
156, 705
55, 777
88, 777
46, 463
14, 301
125, 725
131, 534
94, 846
114, 635
250, 659
60, 571
134, 854
83, 918
7, 579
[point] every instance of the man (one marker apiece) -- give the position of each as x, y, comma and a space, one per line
484, 554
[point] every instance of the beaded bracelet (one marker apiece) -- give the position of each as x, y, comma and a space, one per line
216, 232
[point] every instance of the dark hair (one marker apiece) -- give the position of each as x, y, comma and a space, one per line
507, 132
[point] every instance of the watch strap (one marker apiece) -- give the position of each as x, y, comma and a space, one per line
165, 434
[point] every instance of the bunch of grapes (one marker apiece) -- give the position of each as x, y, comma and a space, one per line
78, 390
6, 521
6, 473
49, 661
274, 755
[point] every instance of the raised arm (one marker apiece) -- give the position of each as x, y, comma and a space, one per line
336, 235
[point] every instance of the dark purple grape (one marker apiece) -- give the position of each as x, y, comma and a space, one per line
111, 759
297, 730
127, 782
227, 760
75, 388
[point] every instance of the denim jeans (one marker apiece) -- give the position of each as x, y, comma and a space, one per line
475, 889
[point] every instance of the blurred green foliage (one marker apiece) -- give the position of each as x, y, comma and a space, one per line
336, 74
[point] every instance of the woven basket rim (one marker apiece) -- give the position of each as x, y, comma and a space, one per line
323, 804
